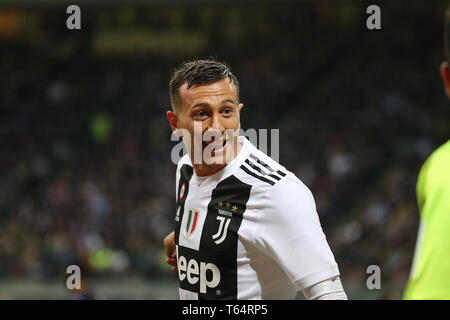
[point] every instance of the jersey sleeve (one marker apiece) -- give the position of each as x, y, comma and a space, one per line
289, 231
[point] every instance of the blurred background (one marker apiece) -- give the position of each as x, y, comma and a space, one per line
86, 176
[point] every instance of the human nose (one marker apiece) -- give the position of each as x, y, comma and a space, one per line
216, 123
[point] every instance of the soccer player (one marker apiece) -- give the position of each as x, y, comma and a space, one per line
429, 278
245, 226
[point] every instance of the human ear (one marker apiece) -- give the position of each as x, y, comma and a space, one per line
173, 121
445, 74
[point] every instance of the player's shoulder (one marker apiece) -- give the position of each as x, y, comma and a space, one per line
441, 155
266, 174
280, 197
436, 162
259, 170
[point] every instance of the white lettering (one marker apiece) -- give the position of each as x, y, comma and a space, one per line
181, 267
215, 276
190, 271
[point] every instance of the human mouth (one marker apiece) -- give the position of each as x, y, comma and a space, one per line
217, 147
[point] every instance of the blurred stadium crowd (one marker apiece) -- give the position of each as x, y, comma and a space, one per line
85, 170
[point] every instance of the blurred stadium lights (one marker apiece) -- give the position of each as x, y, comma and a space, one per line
85, 149
140, 41
119, 28
135, 2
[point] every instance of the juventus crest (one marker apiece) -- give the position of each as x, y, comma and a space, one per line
221, 234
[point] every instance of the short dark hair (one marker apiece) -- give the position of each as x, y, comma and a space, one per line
199, 72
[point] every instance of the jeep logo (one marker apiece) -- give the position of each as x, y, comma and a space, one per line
190, 271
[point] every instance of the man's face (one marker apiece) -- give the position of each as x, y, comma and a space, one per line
214, 110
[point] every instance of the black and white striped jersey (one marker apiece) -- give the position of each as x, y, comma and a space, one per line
249, 231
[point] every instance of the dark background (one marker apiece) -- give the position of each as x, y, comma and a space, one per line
86, 176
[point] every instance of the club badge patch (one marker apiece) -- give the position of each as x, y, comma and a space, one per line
183, 188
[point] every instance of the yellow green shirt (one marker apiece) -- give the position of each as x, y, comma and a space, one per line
430, 273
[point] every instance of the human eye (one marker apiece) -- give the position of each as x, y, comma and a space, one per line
200, 115
227, 111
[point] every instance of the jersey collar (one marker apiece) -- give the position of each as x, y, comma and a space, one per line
227, 170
